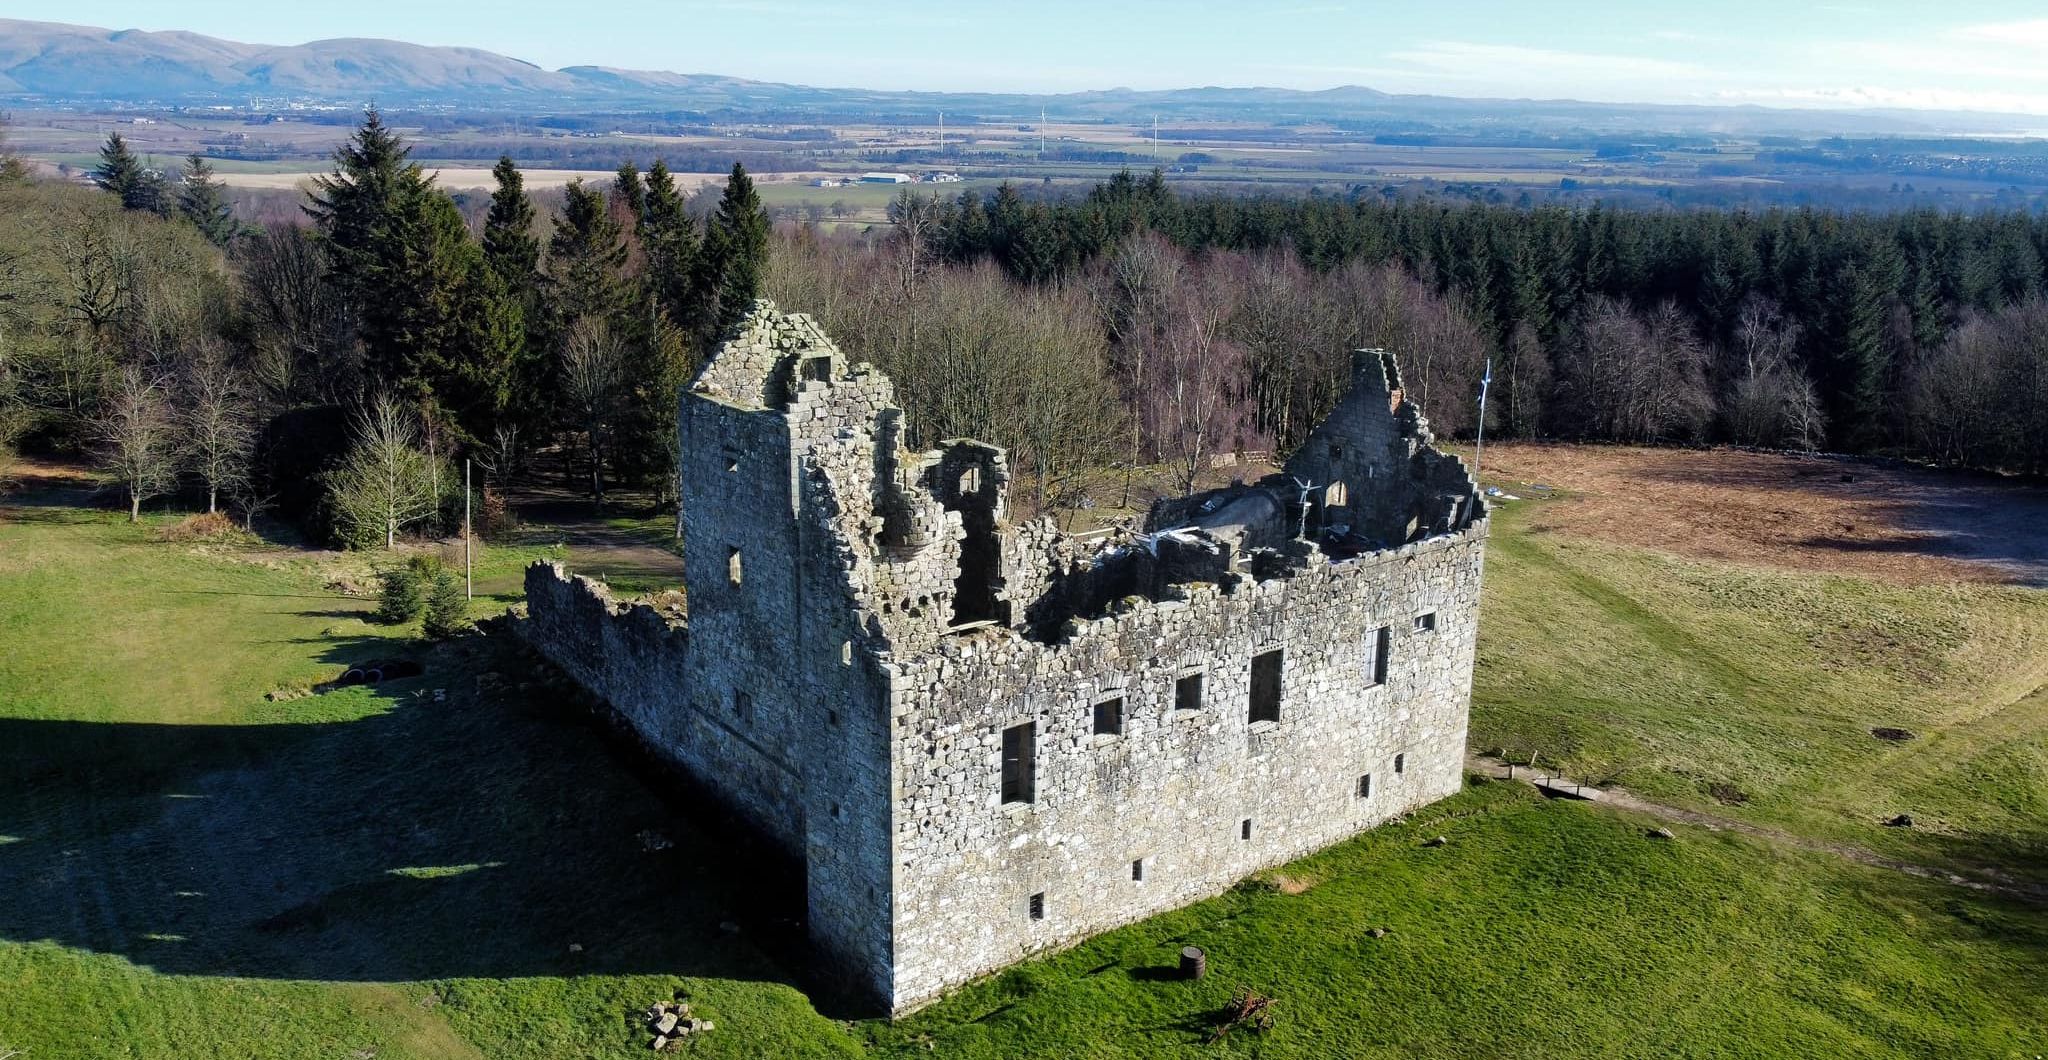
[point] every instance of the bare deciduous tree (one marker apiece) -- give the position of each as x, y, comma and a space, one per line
593, 387
386, 483
219, 419
1196, 405
137, 434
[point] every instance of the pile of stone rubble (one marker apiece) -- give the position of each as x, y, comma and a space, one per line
670, 1022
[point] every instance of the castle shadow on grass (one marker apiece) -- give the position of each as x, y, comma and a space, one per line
480, 836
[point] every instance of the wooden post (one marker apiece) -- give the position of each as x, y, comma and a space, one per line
1194, 964
468, 567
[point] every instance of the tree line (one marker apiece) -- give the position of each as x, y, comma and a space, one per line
337, 369
1850, 331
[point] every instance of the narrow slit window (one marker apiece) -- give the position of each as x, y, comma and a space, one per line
732, 565
1378, 645
743, 706
1244, 829
1020, 763
1138, 870
1265, 697
1400, 763
1109, 717
1187, 692
1038, 906
1365, 786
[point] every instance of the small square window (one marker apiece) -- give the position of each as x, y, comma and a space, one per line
1187, 692
1138, 870
732, 565
1109, 717
1365, 786
1400, 762
731, 465
1038, 906
1336, 451
817, 369
970, 480
1244, 829
1425, 622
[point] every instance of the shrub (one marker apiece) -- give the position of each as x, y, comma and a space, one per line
403, 592
447, 606
206, 526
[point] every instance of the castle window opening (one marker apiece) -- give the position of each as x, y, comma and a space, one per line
831, 717
1038, 906
846, 653
732, 565
1400, 763
1365, 786
743, 706
1265, 700
1337, 496
1109, 717
1020, 763
1187, 692
1336, 451
1138, 870
1378, 645
817, 369
1244, 829
970, 480
1425, 622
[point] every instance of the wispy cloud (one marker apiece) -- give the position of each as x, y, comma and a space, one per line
2031, 34
1470, 60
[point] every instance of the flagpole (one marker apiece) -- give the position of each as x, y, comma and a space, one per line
1479, 450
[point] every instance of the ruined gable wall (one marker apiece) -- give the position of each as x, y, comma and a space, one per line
1174, 788
1397, 484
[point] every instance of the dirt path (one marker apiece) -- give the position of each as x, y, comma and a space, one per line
598, 545
1628, 800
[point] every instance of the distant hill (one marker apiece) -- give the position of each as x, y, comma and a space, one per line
55, 63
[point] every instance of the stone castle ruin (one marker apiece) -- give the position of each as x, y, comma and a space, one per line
985, 738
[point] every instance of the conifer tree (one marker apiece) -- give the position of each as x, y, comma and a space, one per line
356, 207
203, 201
121, 173
629, 194
736, 253
586, 259
510, 245
669, 234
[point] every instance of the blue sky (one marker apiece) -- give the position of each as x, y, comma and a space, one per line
1976, 55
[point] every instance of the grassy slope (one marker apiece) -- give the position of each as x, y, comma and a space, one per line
192, 870
1675, 675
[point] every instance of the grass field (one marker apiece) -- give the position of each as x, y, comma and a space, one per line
188, 868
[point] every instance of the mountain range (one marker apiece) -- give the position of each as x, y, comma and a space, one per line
51, 63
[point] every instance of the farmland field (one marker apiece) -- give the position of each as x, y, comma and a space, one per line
199, 859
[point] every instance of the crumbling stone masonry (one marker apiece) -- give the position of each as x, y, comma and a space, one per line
987, 738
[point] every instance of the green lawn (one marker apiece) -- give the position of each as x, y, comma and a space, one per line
190, 869
1680, 678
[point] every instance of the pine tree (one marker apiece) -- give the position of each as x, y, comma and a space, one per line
355, 207
736, 253
669, 234
586, 259
629, 194
510, 245
121, 173
203, 201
